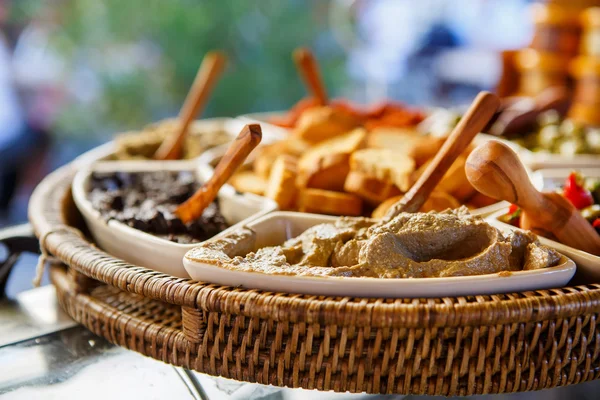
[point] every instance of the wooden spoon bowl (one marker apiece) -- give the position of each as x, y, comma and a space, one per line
496, 171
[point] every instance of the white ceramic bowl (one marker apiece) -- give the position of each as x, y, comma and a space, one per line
231, 127
275, 228
265, 118
546, 160
140, 248
554, 178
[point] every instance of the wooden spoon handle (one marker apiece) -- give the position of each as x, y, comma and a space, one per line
309, 71
559, 216
480, 112
516, 121
249, 137
208, 74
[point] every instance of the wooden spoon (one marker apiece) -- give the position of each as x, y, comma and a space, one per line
208, 74
516, 120
309, 71
496, 171
481, 110
249, 137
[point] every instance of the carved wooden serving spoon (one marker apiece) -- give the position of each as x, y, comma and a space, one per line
480, 112
208, 74
309, 71
496, 171
249, 137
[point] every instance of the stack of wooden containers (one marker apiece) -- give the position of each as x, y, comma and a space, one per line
565, 52
586, 71
545, 63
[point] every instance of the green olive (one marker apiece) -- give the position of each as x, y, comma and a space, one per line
591, 213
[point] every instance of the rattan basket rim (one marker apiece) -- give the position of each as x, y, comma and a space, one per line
51, 209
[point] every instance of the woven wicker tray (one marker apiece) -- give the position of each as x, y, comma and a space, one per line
447, 346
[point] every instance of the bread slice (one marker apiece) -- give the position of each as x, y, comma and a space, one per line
437, 201
419, 147
248, 182
372, 190
384, 164
455, 181
329, 202
326, 165
322, 123
281, 186
328, 173
266, 154
479, 200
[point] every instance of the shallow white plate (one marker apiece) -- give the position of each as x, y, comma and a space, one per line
275, 228
140, 248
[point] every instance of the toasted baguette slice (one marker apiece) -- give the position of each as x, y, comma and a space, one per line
374, 191
384, 164
328, 202
437, 201
343, 144
326, 165
248, 182
266, 154
281, 185
329, 173
420, 148
479, 200
455, 181
322, 123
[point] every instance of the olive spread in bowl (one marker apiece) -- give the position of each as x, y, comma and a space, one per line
147, 201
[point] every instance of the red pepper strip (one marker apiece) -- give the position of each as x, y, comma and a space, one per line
574, 191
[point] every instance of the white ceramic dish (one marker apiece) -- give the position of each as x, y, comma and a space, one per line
265, 118
140, 248
231, 126
546, 160
275, 228
554, 178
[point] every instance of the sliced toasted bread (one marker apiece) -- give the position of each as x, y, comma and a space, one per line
406, 141
374, 191
326, 165
455, 181
266, 154
248, 182
479, 200
281, 185
384, 164
329, 202
329, 173
323, 123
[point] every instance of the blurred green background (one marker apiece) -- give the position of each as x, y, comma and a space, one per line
75, 72
140, 56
